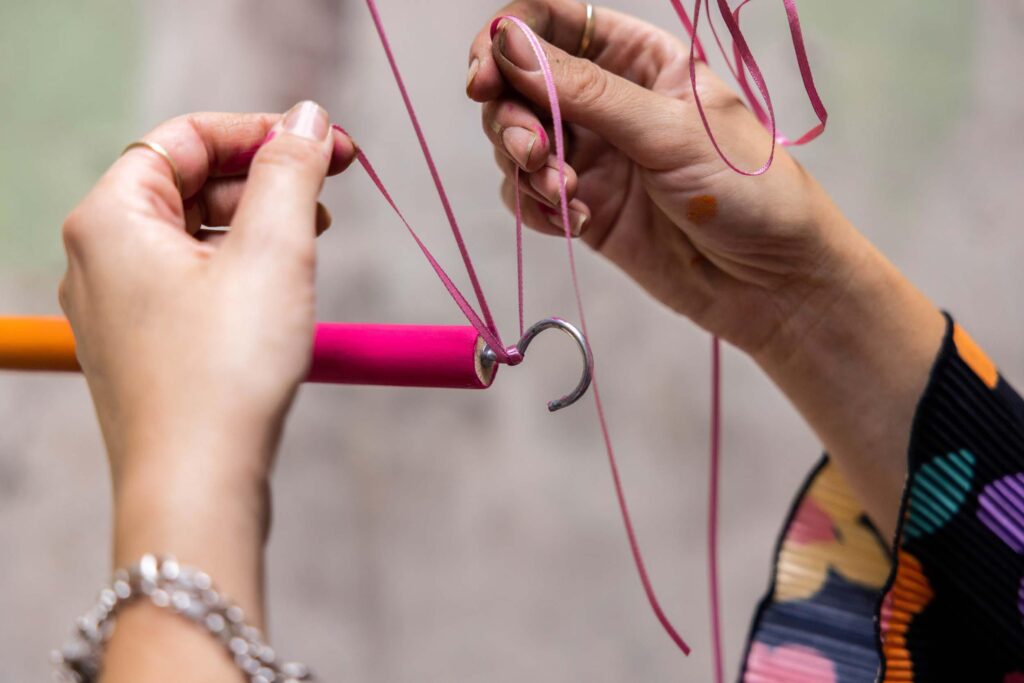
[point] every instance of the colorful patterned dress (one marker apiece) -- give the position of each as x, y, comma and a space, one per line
945, 601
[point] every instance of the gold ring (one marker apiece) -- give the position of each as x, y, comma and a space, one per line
588, 33
159, 149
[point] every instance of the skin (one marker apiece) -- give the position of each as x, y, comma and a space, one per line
769, 264
169, 330
193, 348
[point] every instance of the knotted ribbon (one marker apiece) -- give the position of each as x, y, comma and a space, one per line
484, 323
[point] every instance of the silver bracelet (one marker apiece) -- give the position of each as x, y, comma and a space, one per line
190, 593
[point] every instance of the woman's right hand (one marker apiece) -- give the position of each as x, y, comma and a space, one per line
738, 255
768, 263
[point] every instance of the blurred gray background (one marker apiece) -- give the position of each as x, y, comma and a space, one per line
446, 536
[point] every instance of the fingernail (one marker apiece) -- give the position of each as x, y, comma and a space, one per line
306, 119
474, 66
514, 46
540, 180
355, 145
494, 26
577, 221
519, 144
543, 135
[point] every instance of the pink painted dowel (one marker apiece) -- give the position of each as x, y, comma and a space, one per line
400, 355
343, 353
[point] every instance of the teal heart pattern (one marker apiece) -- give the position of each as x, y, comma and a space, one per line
937, 491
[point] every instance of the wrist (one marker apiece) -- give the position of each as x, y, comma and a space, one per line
192, 484
854, 308
205, 517
203, 521
824, 304
228, 451
854, 359
827, 296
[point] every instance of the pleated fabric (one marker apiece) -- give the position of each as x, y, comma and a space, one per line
944, 600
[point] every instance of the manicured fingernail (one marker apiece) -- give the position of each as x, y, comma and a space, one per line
355, 145
577, 220
543, 135
474, 66
519, 144
514, 46
306, 119
541, 182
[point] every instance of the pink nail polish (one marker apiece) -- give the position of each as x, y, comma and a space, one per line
543, 135
494, 26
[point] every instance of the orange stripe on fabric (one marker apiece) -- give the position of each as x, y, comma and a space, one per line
972, 354
909, 595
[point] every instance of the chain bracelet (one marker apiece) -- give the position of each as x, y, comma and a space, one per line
186, 591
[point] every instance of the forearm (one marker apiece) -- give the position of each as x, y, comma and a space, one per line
166, 330
207, 518
854, 359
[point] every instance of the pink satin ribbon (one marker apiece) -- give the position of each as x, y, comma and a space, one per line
484, 324
488, 330
746, 63
556, 118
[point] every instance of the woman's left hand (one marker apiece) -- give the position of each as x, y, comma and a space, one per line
193, 348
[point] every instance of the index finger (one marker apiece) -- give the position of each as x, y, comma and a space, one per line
203, 146
560, 22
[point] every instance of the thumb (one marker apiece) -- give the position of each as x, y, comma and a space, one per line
278, 209
638, 121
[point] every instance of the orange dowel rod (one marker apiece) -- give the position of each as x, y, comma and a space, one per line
37, 344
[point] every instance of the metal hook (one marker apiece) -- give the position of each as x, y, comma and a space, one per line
588, 360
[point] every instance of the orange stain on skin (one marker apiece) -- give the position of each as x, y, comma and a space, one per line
701, 209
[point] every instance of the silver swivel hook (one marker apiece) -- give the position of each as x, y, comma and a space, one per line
489, 356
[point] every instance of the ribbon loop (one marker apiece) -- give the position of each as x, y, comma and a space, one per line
513, 356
